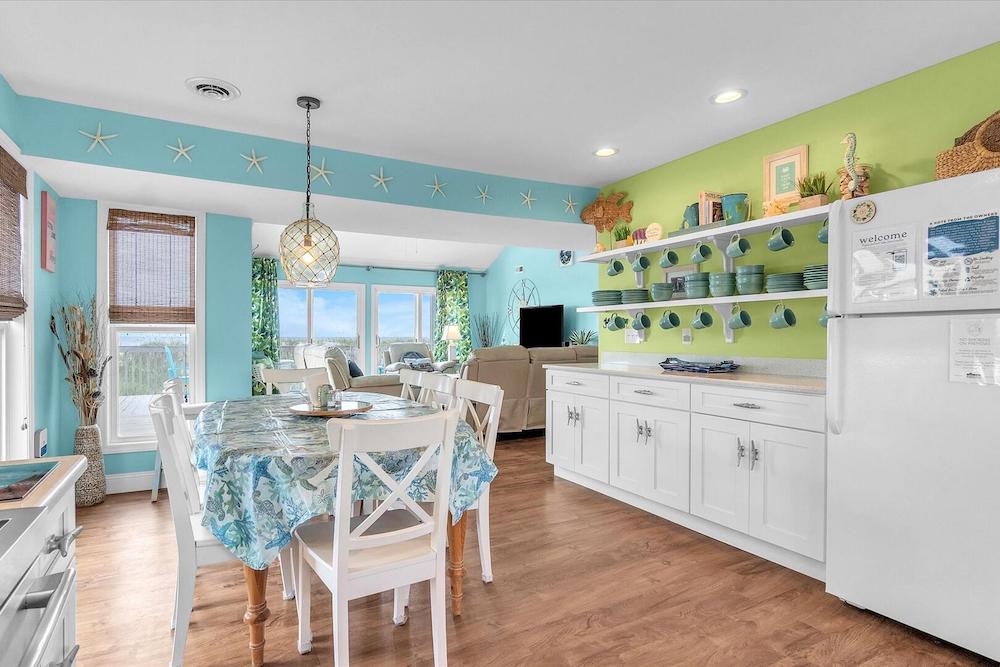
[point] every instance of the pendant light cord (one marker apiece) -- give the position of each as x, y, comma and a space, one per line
308, 157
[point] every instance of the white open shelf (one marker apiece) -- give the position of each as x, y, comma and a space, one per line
793, 219
710, 301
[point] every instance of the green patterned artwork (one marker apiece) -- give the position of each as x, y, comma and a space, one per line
452, 308
264, 312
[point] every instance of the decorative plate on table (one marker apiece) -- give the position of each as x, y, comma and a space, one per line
342, 409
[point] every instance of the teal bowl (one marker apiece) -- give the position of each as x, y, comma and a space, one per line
697, 292
750, 268
757, 288
722, 290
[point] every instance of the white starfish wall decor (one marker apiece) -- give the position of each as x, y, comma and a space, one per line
484, 194
437, 187
98, 138
527, 199
181, 150
381, 180
321, 172
570, 204
254, 160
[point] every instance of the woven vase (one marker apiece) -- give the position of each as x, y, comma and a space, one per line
91, 488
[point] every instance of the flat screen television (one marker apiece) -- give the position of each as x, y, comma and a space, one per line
542, 326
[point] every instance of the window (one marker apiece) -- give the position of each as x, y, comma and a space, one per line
13, 350
321, 315
401, 315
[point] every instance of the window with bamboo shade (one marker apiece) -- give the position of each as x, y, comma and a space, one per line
151, 267
13, 186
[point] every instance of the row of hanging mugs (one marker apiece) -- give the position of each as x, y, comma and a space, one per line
779, 240
782, 317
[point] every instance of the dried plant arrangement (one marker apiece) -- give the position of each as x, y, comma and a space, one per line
488, 329
79, 329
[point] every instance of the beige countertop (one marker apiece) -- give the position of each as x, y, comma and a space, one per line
795, 383
65, 474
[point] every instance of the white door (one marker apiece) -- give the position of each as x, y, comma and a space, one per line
788, 488
630, 455
670, 447
560, 431
593, 451
720, 470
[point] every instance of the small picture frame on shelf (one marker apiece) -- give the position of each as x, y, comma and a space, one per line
675, 275
709, 208
782, 172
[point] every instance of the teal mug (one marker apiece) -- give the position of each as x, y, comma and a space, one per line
668, 259
737, 246
739, 319
615, 267
702, 319
782, 317
736, 208
823, 235
670, 320
691, 216
824, 317
640, 264
780, 239
616, 322
701, 253
640, 321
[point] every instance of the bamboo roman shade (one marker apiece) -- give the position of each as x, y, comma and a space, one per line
151, 267
13, 186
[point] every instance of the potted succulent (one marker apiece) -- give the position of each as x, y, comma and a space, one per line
621, 235
814, 191
582, 337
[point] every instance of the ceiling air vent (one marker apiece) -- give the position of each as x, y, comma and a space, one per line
213, 89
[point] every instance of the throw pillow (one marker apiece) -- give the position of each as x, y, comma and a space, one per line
412, 355
354, 369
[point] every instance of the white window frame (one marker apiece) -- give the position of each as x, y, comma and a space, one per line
113, 444
359, 292
420, 291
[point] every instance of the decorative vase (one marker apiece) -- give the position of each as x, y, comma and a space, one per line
813, 202
91, 488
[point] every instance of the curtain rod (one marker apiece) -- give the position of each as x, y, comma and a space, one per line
371, 267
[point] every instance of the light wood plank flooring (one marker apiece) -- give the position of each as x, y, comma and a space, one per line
580, 580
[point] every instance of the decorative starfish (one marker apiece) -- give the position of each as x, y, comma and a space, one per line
437, 187
381, 180
321, 172
484, 194
98, 138
181, 149
255, 160
526, 199
570, 204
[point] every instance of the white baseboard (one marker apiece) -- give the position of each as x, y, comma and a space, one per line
127, 482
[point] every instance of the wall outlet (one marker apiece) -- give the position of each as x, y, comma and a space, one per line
41, 442
686, 336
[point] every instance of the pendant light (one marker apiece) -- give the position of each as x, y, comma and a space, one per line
309, 250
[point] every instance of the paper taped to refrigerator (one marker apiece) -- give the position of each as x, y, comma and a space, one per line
974, 351
962, 256
884, 265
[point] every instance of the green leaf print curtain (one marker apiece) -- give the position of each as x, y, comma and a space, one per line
264, 314
452, 308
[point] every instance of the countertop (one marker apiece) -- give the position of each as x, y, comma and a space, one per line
795, 383
65, 474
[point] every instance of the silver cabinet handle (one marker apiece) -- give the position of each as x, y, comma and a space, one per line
748, 406
741, 451
644, 392
576, 416
754, 454
54, 605
69, 659
62, 543
569, 415
638, 430
649, 431
574, 383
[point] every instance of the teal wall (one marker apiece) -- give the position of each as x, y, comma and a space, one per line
49, 369
227, 307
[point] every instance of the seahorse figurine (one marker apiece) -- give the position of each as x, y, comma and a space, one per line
851, 140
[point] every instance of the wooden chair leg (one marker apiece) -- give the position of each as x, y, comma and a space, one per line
483, 532
154, 493
303, 602
285, 562
439, 619
400, 599
341, 631
185, 602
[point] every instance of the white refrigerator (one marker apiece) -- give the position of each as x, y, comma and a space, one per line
913, 408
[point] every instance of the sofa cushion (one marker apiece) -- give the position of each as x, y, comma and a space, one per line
501, 353
366, 381
585, 353
552, 355
337, 369
354, 369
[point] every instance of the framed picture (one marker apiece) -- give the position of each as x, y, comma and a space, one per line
675, 276
782, 172
709, 208
48, 232
565, 258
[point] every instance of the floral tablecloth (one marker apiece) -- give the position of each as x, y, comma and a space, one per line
270, 470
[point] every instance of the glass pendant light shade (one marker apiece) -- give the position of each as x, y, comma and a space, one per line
309, 251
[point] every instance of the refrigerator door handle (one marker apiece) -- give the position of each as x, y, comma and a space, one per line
834, 389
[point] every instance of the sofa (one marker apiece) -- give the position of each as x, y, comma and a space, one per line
394, 358
520, 372
333, 359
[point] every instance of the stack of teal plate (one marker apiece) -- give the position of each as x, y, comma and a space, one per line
696, 285
750, 279
815, 276
785, 282
635, 295
662, 291
606, 297
722, 283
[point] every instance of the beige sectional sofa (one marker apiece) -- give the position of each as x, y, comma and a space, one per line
333, 359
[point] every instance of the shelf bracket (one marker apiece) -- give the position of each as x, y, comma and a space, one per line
640, 276
724, 309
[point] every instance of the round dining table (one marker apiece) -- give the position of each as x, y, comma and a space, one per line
269, 471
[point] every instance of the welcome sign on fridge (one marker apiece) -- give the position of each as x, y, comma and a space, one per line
914, 407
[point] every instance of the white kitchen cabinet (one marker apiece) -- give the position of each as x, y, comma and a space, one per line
720, 482
560, 429
788, 488
650, 451
577, 433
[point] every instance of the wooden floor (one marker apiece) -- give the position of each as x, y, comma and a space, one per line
580, 580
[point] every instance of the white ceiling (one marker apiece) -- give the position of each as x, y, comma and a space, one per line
520, 89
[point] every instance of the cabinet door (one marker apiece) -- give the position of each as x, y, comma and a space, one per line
560, 433
669, 445
592, 452
631, 457
720, 470
788, 488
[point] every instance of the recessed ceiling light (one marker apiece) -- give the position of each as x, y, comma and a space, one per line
212, 88
728, 96
607, 151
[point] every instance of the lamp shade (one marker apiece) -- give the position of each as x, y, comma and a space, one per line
309, 252
451, 332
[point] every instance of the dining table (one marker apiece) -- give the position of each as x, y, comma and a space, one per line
269, 470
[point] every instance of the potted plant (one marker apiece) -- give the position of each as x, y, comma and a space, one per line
621, 236
79, 331
814, 191
582, 337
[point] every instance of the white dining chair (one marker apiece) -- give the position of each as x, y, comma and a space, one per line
435, 389
408, 378
188, 412
389, 548
286, 379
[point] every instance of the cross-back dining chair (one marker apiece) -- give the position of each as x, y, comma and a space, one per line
435, 389
388, 548
187, 412
284, 379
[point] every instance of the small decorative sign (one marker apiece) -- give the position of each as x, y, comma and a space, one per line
782, 172
48, 232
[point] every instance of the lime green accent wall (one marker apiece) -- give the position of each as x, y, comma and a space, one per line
901, 125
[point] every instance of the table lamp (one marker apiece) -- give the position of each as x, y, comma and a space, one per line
452, 334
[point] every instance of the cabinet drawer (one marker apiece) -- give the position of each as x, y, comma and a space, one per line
657, 393
60, 520
587, 384
768, 407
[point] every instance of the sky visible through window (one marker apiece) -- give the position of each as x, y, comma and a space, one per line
396, 315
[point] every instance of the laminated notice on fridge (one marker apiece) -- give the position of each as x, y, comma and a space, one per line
974, 353
962, 256
884, 266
